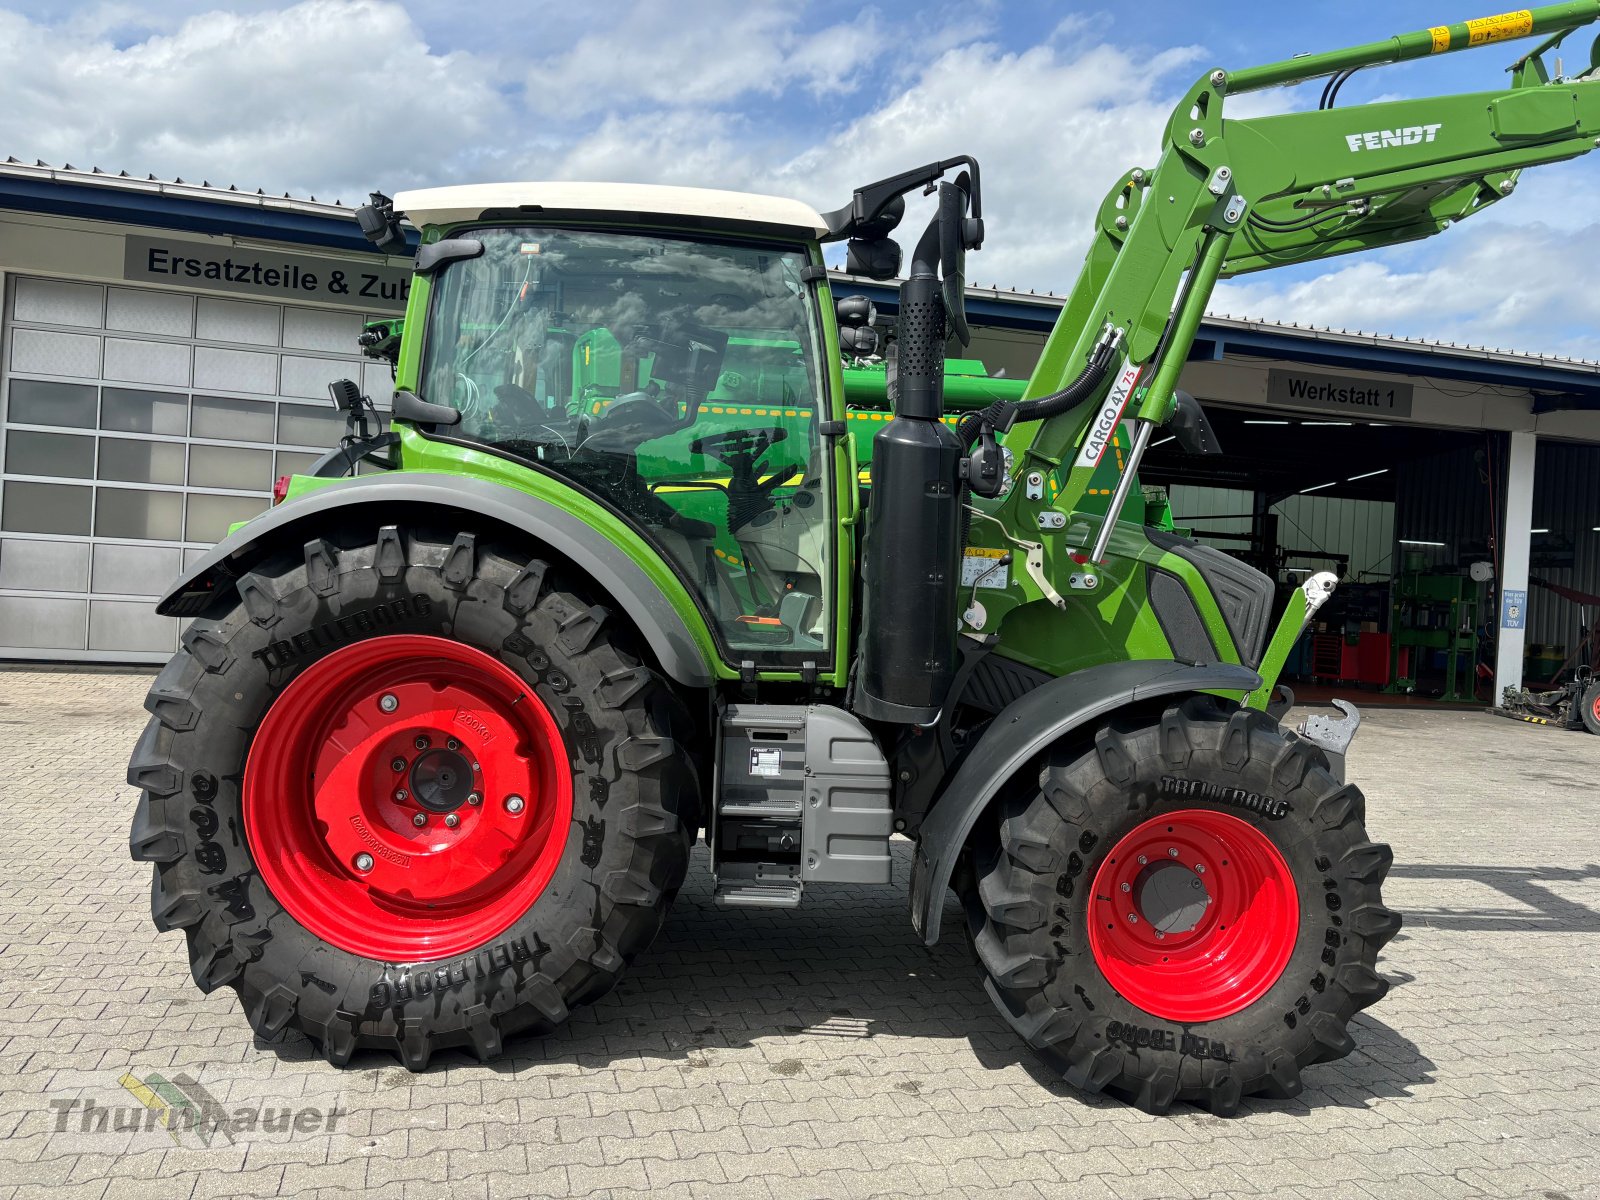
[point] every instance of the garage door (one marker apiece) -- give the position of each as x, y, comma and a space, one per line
138, 425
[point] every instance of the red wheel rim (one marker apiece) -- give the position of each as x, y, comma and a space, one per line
1194, 915
407, 798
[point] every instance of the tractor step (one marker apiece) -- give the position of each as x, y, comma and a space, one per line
775, 808
745, 893
801, 793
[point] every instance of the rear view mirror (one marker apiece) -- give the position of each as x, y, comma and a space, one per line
380, 224
1191, 427
953, 255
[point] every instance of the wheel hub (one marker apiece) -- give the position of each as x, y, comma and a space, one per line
1194, 915
1171, 897
442, 779
364, 797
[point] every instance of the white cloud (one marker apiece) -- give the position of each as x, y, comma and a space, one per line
320, 97
656, 54
1051, 128
333, 97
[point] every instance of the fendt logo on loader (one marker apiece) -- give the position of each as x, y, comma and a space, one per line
1384, 139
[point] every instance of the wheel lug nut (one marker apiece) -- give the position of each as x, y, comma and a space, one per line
1199, 868
453, 744
1160, 935
1143, 860
1127, 887
451, 820
389, 702
421, 743
475, 799
398, 764
420, 820
514, 804
1133, 919
363, 862
400, 793
1172, 852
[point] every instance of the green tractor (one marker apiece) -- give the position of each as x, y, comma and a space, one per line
659, 547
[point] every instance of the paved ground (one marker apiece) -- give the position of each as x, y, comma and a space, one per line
820, 1052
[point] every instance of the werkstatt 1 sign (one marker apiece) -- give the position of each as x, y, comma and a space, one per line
1372, 399
247, 271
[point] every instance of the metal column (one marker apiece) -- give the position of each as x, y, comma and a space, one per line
1513, 615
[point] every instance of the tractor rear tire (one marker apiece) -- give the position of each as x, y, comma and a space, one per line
405, 789
1591, 708
1186, 910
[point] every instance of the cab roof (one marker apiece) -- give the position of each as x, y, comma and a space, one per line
703, 207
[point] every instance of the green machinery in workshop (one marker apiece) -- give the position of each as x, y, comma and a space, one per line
1434, 613
428, 769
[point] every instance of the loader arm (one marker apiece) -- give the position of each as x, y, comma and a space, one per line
1233, 196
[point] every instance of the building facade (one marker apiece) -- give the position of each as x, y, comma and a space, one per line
165, 354
166, 350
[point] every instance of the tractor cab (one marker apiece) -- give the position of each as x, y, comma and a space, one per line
663, 351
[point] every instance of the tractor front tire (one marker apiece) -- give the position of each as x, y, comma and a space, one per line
1186, 910
406, 789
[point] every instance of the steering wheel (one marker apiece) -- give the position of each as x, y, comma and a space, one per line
628, 422
738, 450
519, 415
736, 446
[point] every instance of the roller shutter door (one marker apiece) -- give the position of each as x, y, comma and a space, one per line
138, 424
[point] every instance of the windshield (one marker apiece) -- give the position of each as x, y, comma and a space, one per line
675, 379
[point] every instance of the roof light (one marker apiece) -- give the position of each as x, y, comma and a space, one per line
1266, 422
1318, 488
1538, 531
1327, 422
1414, 542
1368, 475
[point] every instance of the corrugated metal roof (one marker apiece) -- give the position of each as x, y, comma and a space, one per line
1361, 337
1322, 332
184, 188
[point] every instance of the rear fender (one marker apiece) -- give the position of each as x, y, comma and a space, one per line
1022, 730
386, 499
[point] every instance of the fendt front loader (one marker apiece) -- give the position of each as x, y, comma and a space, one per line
427, 771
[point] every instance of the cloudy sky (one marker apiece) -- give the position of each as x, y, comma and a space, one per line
335, 97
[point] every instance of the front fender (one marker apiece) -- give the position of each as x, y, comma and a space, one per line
685, 657
1023, 729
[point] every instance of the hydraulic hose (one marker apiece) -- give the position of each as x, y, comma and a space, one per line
997, 414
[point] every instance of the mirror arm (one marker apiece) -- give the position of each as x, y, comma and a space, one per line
869, 201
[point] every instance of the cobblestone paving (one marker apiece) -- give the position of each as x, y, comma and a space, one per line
821, 1052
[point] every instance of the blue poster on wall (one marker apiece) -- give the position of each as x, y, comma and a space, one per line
1513, 610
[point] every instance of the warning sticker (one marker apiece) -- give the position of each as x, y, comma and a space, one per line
1108, 418
766, 761
984, 567
1483, 30
1499, 29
